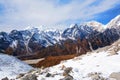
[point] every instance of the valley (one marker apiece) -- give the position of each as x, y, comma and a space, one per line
89, 53
59, 39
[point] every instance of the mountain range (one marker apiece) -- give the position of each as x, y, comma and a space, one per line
77, 39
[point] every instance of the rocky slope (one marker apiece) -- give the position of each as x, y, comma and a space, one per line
78, 39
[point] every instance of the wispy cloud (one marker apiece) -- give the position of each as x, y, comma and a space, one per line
49, 12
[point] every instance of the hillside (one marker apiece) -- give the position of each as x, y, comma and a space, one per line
10, 66
101, 64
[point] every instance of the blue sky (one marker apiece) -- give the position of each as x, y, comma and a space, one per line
18, 14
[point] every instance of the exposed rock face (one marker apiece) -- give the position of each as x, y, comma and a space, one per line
5, 41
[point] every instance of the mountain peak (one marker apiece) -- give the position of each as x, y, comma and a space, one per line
73, 25
114, 22
95, 25
117, 17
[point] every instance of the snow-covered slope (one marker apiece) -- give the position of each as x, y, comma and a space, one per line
114, 23
75, 31
10, 66
101, 62
95, 25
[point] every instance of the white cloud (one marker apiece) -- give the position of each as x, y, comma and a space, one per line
50, 12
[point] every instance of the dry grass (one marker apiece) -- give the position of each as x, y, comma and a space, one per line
53, 60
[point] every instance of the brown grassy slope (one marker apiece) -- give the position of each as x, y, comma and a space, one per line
53, 60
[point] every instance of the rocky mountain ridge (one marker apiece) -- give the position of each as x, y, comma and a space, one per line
78, 39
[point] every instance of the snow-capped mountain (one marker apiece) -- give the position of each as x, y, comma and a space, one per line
5, 41
32, 40
95, 25
11, 66
76, 31
114, 24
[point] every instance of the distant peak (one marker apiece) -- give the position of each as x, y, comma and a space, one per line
31, 28
117, 17
114, 22
73, 25
28, 27
93, 23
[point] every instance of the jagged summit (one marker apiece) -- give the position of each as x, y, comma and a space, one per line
73, 25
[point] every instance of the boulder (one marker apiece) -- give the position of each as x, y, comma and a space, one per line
67, 71
115, 75
20, 75
29, 77
68, 77
5, 78
48, 75
96, 76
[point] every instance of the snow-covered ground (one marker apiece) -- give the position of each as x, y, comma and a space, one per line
103, 62
10, 66
90, 63
100, 61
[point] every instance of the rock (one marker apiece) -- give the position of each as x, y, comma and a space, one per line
32, 70
115, 75
20, 75
69, 77
5, 78
29, 77
48, 75
63, 67
112, 52
96, 76
67, 71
